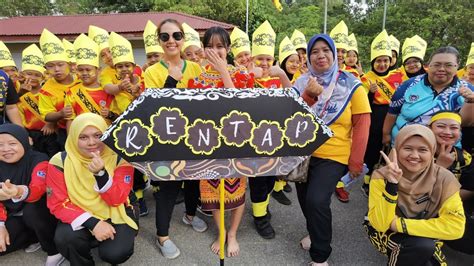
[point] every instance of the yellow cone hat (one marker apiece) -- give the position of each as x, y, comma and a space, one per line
286, 49
394, 44
263, 40
151, 39
6, 58
412, 48
70, 53
191, 37
52, 47
470, 57
421, 41
32, 59
87, 51
340, 35
380, 46
298, 39
239, 42
99, 36
352, 44
120, 48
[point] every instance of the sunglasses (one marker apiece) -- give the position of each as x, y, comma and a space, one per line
164, 36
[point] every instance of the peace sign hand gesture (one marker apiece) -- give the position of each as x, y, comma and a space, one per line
394, 172
446, 156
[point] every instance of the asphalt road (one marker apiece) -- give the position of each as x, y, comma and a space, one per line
350, 244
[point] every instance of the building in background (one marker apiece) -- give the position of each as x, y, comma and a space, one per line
19, 32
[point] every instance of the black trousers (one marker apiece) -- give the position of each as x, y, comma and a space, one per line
138, 180
374, 145
165, 197
314, 197
76, 245
36, 224
260, 188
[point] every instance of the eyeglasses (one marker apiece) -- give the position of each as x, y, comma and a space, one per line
164, 36
445, 66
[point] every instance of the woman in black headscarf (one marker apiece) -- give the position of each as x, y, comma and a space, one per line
24, 217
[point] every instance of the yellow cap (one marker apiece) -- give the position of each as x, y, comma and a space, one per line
412, 48
263, 40
298, 39
191, 37
70, 53
470, 57
121, 49
352, 43
6, 58
99, 36
52, 47
239, 42
420, 40
380, 46
286, 49
87, 51
32, 59
340, 35
151, 39
394, 44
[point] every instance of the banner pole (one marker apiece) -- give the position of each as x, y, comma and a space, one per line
221, 222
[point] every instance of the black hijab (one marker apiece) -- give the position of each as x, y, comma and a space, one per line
283, 66
20, 172
376, 72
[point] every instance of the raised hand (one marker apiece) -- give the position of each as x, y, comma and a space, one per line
394, 172
313, 87
359, 69
174, 70
373, 86
66, 112
96, 164
216, 61
10, 189
257, 71
103, 231
446, 156
467, 93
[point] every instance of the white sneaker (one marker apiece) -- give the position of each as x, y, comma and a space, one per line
54, 260
33, 247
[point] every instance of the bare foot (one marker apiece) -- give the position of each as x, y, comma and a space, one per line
215, 247
233, 247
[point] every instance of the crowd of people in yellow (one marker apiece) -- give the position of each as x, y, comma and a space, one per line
407, 122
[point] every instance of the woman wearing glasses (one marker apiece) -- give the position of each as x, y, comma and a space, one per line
419, 98
173, 72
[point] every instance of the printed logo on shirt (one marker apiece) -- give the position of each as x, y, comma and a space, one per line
413, 98
41, 174
127, 179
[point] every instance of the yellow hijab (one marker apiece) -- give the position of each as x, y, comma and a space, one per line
80, 181
435, 183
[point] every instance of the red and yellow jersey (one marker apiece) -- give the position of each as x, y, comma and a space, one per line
212, 79
268, 83
29, 111
387, 84
87, 100
52, 98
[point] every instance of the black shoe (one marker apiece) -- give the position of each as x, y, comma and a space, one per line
365, 189
281, 197
180, 198
287, 188
143, 207
264, 228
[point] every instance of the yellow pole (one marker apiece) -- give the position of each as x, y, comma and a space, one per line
221, 222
